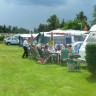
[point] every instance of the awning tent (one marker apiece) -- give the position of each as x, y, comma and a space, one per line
23, 36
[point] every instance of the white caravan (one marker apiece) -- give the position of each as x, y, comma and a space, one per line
91, 38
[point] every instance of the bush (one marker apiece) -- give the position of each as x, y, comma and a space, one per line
1, 38
91, 57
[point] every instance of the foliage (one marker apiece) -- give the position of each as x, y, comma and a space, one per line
69, 25
1, 38
62, 23
43, 28
83, 20
53, 22
81, 17
94, 16
15, 29
75, 24
91, 57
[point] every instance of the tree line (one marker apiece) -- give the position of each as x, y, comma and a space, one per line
53, 22
15, 29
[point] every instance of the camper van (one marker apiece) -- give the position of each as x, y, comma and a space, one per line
91, 38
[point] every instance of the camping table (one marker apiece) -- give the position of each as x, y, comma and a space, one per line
58, 55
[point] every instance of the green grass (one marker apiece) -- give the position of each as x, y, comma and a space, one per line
25, 77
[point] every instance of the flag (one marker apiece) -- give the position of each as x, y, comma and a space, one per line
31, 40
51, 41
85, 28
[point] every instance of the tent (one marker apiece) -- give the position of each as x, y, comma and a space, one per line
23, 36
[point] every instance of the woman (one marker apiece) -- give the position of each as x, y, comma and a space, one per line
72, 51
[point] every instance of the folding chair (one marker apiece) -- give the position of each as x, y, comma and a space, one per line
64, 55
40, 53
76, 56
47, 56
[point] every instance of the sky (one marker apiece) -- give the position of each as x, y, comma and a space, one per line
30, 13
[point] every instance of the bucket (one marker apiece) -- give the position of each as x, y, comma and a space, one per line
70, 65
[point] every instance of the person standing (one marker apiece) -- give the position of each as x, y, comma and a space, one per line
25, 45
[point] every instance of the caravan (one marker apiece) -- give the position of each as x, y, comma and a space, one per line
65, 36
91, 38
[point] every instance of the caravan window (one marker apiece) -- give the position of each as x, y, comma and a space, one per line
78, 38
91, 38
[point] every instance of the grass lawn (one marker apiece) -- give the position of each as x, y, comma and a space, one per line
25, 77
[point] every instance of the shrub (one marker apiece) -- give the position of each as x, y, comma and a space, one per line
1, 38
91, 57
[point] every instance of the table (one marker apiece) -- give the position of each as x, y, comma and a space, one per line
58, 55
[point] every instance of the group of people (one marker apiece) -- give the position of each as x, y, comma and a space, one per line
47, 48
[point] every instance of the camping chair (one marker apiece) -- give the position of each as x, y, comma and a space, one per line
47, 56
40, 52
64, 55
75, 57
36, 53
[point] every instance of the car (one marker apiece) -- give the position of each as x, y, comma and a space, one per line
11, 40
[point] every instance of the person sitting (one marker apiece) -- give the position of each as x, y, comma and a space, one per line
57, 47
61, 47
42, 49
47, 50
72, 51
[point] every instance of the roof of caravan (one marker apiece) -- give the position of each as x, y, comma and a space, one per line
93, 28
64, 32
28, 35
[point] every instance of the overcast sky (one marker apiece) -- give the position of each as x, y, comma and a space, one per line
30, 13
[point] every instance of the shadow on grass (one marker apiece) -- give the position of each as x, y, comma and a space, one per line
63, 64
91, 79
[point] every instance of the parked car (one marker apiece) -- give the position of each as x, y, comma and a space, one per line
11, 40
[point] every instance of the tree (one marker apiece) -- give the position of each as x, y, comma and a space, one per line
81, 17
43, 27
15, 30
62, 23
72, 24
1, 29
94, 16
9, 29
35, 30
83, 20
53, 22
4, 29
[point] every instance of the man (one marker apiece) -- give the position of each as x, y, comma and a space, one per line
25, 44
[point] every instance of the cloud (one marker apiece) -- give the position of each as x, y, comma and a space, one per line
30, 13
38, 2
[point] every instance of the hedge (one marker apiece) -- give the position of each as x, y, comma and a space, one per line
1, 38
91, 57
